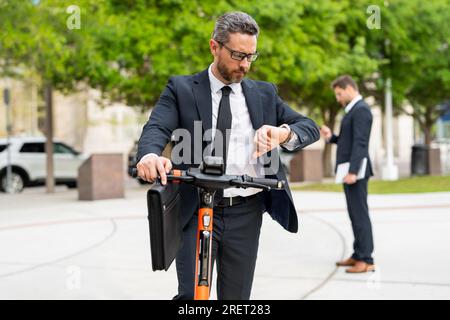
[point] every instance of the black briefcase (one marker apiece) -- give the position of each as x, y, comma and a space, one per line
165, 224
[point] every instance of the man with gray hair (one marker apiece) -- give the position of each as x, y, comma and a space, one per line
255, 121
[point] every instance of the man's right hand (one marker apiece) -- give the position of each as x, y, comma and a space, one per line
151, 166
326, 132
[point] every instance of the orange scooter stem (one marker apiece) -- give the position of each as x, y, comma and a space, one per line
203, 254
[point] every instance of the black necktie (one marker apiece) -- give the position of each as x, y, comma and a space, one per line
223, 125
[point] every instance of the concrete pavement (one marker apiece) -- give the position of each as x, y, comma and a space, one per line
55, 247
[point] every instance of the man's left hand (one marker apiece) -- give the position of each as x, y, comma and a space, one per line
268, 138
350, 178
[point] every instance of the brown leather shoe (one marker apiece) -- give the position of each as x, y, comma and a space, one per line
361, 267
350, 262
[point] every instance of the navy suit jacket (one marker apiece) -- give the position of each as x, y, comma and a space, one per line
187, 99
353, 140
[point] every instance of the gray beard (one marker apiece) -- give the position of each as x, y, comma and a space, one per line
226, 74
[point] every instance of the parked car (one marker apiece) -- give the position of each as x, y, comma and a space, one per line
28, 162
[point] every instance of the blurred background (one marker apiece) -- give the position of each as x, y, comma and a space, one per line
88, 72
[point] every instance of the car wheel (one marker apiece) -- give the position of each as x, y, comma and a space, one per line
17, 183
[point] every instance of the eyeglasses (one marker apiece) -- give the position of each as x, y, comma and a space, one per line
237, 55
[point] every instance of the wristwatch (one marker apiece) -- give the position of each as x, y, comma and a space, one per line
289, 137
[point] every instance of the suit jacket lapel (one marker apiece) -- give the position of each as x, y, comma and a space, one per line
356, 105
254, 104
347, 115
202, 93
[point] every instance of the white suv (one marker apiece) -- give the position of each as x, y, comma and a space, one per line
28, 161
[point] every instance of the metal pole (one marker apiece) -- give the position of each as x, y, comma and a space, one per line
389, 137
390, 171
50, 180
6, 99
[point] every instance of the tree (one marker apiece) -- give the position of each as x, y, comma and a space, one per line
345, 54
307, 45
412, 50
35, 39
129, 48
431, 74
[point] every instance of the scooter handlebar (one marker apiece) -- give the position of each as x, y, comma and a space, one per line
271, 183
244, 181
133, 172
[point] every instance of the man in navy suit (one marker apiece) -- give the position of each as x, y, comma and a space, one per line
353, 147
253, 121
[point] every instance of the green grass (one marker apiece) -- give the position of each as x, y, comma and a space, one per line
409, 185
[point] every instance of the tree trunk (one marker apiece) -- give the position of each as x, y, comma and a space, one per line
50, 179
429, 122
328, 167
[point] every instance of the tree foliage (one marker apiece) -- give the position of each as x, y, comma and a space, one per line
129, 48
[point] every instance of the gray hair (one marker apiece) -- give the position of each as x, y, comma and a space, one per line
234, 22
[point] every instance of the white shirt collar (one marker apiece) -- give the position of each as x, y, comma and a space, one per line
352, 103
217, 85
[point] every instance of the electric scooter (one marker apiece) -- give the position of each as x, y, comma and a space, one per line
209, 178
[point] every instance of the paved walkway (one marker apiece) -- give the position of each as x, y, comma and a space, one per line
55, 247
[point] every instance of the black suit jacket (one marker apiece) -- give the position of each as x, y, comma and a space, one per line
353, 140
187, 99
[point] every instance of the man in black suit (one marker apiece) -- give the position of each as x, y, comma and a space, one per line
353, 147
221, 102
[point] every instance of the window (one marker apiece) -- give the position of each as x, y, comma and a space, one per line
61, 148
3, 147
443, 127
34, 147
39, 147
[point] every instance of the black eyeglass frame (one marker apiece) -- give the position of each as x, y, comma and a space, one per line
251, 57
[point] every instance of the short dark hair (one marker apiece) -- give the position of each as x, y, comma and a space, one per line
234, 22
344, 81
